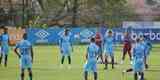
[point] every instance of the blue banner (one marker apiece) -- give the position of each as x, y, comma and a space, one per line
82, 35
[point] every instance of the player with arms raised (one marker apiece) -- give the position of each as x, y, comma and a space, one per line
108, 48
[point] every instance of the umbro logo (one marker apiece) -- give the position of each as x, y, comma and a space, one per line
42, 34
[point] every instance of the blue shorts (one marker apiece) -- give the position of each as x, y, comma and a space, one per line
5, 49
100, 51
109, 51
90, 66
66, 51
147, 52
25, 62
138, 65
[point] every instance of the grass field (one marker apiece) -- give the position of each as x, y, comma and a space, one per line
46, 66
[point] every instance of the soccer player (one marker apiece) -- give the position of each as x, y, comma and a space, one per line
92, 52
148, 46
138, 60
108, 48
4, 46
24, 51
127, 47
98, 41
65, 46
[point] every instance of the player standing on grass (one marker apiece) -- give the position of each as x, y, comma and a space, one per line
147, 45
4, 46
65, 46
127, 45
98, 40
92, 52
25, 55
108, 48
138, 60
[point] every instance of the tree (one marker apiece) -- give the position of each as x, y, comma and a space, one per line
116, 11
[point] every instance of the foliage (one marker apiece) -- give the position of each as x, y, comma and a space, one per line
117, 11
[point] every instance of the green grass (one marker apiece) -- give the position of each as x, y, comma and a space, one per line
46, 66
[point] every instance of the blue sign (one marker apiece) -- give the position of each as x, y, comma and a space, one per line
36, 35
82, 35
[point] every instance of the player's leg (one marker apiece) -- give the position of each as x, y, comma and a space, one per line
100, 55
124, 54
86, 70
30, 73
5, 51
22, 74
1, 56
145, 61
129, 53
95, 71
86, 75
62, 59
142, 76
135, 76
95, 76
69, 62
129, 70
6, 60
112, 61
69, 59
106, 61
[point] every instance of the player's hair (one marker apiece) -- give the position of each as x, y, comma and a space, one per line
92, 39
5, 28
2, 26
110, 31
141, 36
67, 29
25, 36
138, 40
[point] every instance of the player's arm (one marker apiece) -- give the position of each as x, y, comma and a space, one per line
71, 45
133, 52
16, 52
32, 55
103, 42
150, 45
86, 55
60, 43
0, 39
9, 40
97, 49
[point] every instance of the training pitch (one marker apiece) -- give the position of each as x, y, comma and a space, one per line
46, 65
